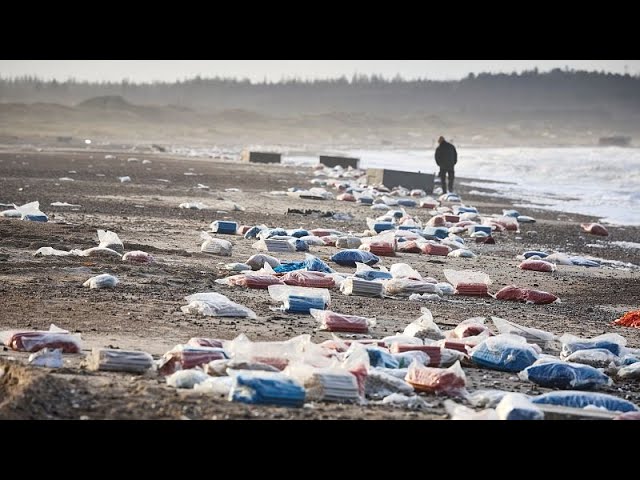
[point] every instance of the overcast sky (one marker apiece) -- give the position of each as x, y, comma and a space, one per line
274, 70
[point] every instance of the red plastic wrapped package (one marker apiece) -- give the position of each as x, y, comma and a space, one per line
510, 292
382, 248
537, 266
205, 342
254, 281
472, 289
330, 240
409, 247
486, 240
242, 229
346, 197
594, 229
32, 341
435, 249
450, 380
321, 232
302, 278
452, 218
190, 357
469, 330
629, 319
538, 296
337, 322
437, 221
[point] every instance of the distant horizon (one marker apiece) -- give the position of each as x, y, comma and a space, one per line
279, 71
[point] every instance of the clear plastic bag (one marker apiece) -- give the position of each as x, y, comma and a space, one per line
34, 340
109, 239
216, 305
309, 279
186, 378
406, 358
380, 384
609, 341
424, 327
256, 262
532, 335
597, 357
332, 385
100, 252
185, 357
565, 375
48, 251
403, 270
276, 354
116, 360
101, 281
406, 287
312, 240
505, 352
337, 322
398, 400
48, 358
205, 342
470, 328
348, 242
468, 282
578, 399
462, 253
432, 248
368, 273
460, 412
630, 372
361, 287
215, 246
486, 398
31, 212
516, 406
281, 293
266, 388
138, 256
449, 381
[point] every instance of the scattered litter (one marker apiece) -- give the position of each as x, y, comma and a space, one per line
350, 257
193, 206
124, 179
399, 400
104, 280
360, 287
537, 265
50, 358
379, 384
336, 322
34, 340
266, 388
215, 305
31, 212
64, 204
468, 282
450, 381
460, 412
186, 378
215, 246
505, 352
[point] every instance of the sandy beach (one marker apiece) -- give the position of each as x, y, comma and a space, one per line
143, 311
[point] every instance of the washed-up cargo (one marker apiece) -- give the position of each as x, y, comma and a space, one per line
184, 357
513, 293
408, 286
34, 340
609, 341
225, 227
537, 266
448, 381
253, 281
115, 360
532, 335
596, 357
577, 399
350, 257
380, 384
468, 282
337, 322
505, 352
594, 229
215, 305
332, 385
266, 388
516, 406
361, 287
435, 249
565, 375
309, 279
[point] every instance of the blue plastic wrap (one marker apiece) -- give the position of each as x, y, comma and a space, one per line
302, 304
301, 245
349, 257
252, 232
481, 228
381, 358
459, 210
365, 200
314, 264
299, 233
405, 202
577, 399
289, 267
280, 390
435, 232
505, 356
410, 228
273, 232
373, 275
569, 348
565, 375
383, 226
35, 218
584, 262
222, 226
531, 253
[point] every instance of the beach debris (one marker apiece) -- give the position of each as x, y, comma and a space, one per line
34, 340
185, 357
124, 179
537, 266
64, 204
193, 206
517, 406
186, 378
505, 352
468, 282
594, 229
517, 294
215, 246
578, 399
31, 212
361, 287
138, 256
216, 305
266, 388
564, 375
449, 381
104, 280
350, 257
222, 226
337, 322
629, 319
300, 299
110, 240
47, 357
116, 360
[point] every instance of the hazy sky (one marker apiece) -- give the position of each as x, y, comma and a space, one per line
257, 70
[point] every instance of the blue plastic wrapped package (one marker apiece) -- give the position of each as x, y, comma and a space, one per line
266, 388
367, 273
480, 228
31, 212
511, 213
505, 352
222, 226
302, 304
289, 267
577, 399
301, 245
348, 258
565, 375
531, 253
382, 226
365, 200
411, 228
314, 264
298, 233
459, 209
516, 406
405, 202
609, 341
431, 233
584, 262
254, 231
271, 232
379, 357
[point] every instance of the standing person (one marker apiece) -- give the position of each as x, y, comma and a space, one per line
446, 158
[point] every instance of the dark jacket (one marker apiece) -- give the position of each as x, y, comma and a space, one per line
446, 155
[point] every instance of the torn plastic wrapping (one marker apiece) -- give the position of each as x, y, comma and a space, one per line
380, 357
215, 246
186, 378
448, 381
437, 356
215, 305
532, 335
460, 412
109, 239
49, 251
116, 360
578, 399
505, 352
337, 322
276, 354
424, 327
101, 252
34, 340
380, 384
256, 262
403, 270
516, 406
185, 357
565, 375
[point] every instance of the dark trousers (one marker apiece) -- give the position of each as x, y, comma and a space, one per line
443, 174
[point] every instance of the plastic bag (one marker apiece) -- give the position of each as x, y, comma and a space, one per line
368, 273
424, 327
538, 266
336, 322
314, 264
565, 375
437, 356
116, 360
48, 251
460, 412
468, 282
256, 262
34, 340
252, 280
216, 305
109, 239
185, 357
577, 399
630, 372
218, 386
445, 288
309, 279
215, 246
332, 385
365, 288
462, 253
470, 328
406, 287
486, 398
399, 400
380, 357
138, 256
597, 357
348, 242
406, 358
223, 226
449, 381
403, 270
205, 342
49, 358
532, 335
429, 248
97, 252
186, 378
609, 341
266, 388
594, 229
312, 240
280, 293
31, 212
505, 352
516, 406
380, 384
101, 281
